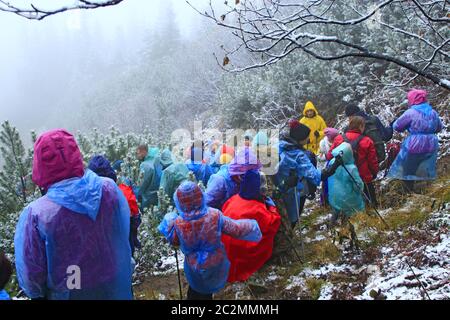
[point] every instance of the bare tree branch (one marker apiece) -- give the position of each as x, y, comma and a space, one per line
35, 13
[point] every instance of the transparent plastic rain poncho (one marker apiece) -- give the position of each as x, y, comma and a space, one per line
418, 155
293, 160
198, 232
221, 187
202, 171
4, 295
343, 193
82, 222
150, 178
172, 177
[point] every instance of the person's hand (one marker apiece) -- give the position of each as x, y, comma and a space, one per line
338, 161
317, 134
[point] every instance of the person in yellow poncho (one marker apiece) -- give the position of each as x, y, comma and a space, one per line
315, 122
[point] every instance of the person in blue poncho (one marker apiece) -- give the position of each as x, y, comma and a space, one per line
198, 166
149, 177
5, 275
72, 243
198, 229
296, 170
102, 167
418, 154
226, 183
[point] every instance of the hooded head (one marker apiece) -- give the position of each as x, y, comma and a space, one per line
225, 149
166, 158
416, 97
101, 166
347, 153
56, 158
351, 110
190, 201
310, 107
251, 185
298, 131
117, 165
244, 161
225, 159
261, 139
331, 133
153, 153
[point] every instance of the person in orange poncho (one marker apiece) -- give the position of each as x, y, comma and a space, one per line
248, 257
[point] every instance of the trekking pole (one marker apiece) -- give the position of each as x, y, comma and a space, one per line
298, 216
365, 196
417, 278
179, 275
292, 243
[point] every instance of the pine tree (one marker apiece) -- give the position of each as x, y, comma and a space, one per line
16, 172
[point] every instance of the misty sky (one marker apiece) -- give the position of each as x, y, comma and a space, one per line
32, 59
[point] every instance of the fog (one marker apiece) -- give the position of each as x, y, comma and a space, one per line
106, 66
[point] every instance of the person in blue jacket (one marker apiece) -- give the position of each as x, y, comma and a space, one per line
418, 154
5, 275
198, 230
295, 169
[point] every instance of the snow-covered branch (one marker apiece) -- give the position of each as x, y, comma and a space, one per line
328, 30
33, 12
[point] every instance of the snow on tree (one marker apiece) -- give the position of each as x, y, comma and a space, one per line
34, 12
412, 35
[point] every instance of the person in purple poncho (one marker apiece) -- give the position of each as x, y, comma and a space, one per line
72, 243
226, 183
418, 155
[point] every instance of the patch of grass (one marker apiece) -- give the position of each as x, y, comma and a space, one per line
311, 220
295, 268
375, 240
446, 195
314, 287
321, 252
399, 220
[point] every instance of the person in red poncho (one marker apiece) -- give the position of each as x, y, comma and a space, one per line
248, 257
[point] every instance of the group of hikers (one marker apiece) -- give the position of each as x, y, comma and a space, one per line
225, 222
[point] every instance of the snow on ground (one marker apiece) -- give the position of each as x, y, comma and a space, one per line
169, 264
326, 292
397, 281
389, 275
